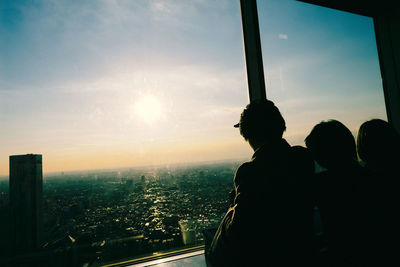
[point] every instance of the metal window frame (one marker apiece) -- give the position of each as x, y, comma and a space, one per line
252, 50
387, 32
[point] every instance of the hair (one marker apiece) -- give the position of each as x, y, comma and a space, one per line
377, 141
261, 120
331, 143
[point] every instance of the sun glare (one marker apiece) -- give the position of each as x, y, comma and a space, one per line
148, 108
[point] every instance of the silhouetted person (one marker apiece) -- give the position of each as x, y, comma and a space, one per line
378, 145
338, 191
270, 220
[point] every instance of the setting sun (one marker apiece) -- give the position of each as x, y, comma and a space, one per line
148, 108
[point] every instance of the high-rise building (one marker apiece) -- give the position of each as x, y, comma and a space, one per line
26, 200
188, 231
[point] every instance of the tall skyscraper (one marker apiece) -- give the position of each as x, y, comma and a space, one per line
26, 200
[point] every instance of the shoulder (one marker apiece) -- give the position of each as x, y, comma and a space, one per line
243, 171
301, 157
300, 152
244, 167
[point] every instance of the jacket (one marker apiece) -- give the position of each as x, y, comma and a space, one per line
270, 221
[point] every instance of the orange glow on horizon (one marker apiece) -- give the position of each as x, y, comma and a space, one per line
152, 155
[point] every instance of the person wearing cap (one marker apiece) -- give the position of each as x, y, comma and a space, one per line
269, 222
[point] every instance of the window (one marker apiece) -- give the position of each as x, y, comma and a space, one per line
132, 105
319, 64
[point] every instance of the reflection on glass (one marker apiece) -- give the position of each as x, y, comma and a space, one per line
132, 105
319, 64
122, 213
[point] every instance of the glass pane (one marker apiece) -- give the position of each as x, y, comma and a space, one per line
319, 64
132, 105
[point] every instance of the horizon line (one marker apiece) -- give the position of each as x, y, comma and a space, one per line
2, 176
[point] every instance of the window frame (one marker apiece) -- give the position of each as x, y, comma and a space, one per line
386, 20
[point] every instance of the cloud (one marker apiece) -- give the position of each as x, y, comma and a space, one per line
283, 36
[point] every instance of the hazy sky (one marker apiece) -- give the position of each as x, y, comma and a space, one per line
99, 84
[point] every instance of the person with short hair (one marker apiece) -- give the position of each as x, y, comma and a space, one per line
339, 192
270, 219
378, 145
332, 144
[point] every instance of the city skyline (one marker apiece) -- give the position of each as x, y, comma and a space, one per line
107, 216
109, 84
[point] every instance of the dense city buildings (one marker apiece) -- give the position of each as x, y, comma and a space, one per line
103, 216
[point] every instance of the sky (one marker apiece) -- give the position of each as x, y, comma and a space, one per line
109, 83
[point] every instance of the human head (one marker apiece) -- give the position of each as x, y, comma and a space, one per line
377, 142
331, 143
261, 121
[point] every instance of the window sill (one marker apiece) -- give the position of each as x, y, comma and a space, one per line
186, 257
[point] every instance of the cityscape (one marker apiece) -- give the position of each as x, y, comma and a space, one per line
96, 217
